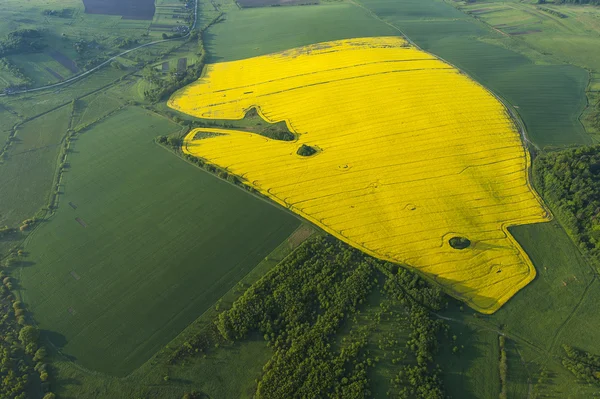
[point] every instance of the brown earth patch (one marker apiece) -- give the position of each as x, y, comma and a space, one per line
524, 32
64, 61
181, 65
128, 9
300, 235
81, 222
54, 73
275, 3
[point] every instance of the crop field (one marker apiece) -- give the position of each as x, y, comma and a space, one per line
551, 119
351, 170
94, 107
152, 248
128, 9
28, 170
259, 31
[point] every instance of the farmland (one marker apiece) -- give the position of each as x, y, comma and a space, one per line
105, 200
151, 276
350, 166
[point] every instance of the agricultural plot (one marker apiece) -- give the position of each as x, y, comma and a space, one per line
400, 165
90, 109
141, 245
128, 9
549, 98
41, 68
28, 170
259, 31
271, 3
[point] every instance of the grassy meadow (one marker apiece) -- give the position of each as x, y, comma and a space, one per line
147, 243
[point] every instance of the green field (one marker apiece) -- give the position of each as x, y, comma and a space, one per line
29, 166
162, 241
145, 249
256, 31
549, 98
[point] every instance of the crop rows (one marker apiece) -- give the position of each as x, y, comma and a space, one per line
410, 152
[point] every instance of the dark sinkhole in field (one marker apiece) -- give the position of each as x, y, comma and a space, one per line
128, 9
459, 242
306, 150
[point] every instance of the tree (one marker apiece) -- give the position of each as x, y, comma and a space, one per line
29, 335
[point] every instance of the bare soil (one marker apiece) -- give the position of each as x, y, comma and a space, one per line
64, 61
275, 3
128, 9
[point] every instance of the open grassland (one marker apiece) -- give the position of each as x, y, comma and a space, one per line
28, 169
360, 162
146, 243
549, 98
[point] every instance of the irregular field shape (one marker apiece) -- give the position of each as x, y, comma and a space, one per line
411, 153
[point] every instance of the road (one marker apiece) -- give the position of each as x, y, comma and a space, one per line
96, 68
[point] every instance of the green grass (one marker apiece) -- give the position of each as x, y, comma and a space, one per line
473, 372
94, 107
256, 31
549, 98
164, 240
580, 330
537, 312
33, 104
233, 369
34, 66
28, 171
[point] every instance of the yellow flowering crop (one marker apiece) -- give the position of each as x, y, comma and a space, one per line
410, 153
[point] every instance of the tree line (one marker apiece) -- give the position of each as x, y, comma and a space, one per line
22, 41
24, 372
569, 181
585, 366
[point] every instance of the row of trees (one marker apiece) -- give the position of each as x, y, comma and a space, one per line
570, 182
585, 366
8, 66
23, 369
423, 379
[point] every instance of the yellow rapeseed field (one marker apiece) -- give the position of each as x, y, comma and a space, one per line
410, 153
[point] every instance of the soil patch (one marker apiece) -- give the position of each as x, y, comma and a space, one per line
300, 236
181, 65
81, 222
54, 73
275, 3
64, 61
128, 9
